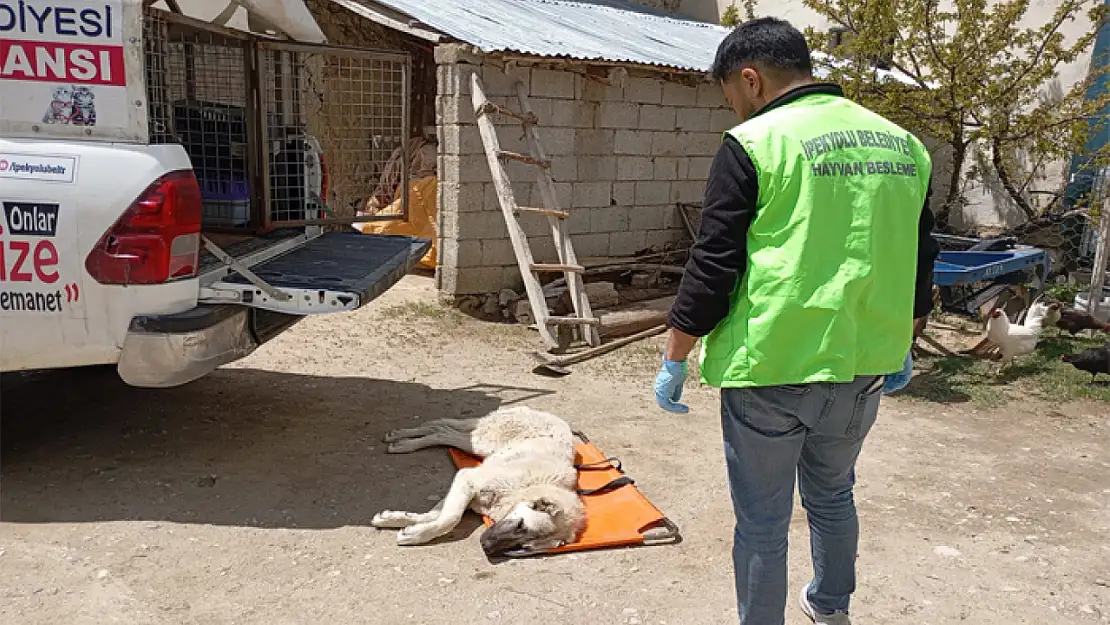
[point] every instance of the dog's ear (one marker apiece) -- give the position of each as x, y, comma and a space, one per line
545, 505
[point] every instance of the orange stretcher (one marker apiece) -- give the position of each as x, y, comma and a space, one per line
617, 513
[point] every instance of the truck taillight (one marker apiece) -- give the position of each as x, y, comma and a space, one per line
157, 239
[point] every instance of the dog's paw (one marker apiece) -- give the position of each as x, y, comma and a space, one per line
411, 536
392, 519
381, 520
394, 435
401, 447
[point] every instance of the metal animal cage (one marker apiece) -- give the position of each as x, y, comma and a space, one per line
279, 134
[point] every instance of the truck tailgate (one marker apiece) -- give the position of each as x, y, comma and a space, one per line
336, 271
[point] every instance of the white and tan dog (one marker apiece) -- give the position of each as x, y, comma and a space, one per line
526, 482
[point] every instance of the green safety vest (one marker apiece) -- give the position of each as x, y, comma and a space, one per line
832, 250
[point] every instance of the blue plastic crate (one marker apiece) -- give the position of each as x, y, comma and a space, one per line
226, 200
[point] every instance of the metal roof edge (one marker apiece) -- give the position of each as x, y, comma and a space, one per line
600, 62
393, 19
509, 54
642, 11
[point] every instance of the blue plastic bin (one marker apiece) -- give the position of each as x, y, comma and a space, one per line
226, 200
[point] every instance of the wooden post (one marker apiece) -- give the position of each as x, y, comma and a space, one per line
1102, 255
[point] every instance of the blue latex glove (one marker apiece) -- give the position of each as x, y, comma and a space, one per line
668, 386
898, 381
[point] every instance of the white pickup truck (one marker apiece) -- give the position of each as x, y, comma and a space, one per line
105, 252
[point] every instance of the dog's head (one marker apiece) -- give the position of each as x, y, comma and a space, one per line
546, 517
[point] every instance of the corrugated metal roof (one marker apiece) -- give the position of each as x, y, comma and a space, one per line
591, 30
599, 30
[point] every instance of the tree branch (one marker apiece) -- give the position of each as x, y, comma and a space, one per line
1031, 63
1004, 178
1040, 130
1041, 158
929, 35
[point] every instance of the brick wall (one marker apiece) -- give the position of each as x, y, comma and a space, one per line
621, 158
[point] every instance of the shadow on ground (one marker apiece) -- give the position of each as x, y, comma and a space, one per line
241, 447
941, 383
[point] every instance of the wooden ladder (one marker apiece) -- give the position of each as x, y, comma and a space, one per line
556, 217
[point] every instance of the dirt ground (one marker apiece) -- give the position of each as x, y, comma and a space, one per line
246, 497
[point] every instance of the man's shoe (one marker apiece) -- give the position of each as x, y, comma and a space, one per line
836, 618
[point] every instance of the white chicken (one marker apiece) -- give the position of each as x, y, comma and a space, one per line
1018, 340
1042, 315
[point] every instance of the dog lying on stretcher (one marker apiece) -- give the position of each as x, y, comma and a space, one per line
526, 482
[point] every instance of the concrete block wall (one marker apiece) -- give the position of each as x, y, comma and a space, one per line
621, 158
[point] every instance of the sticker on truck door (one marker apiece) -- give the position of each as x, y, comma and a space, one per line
40, 168
64, 63
37, 276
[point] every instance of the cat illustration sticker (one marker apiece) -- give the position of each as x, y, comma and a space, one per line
73, 105
60, 108
84, 107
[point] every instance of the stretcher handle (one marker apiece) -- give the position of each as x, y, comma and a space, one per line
611, 462
624, 480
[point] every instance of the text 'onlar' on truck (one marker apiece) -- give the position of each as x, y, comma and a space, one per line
176, 193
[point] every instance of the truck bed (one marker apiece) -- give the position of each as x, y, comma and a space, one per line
239, 246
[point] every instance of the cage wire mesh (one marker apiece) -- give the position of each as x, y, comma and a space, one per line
311, 149
197, 96
1071, 237
351, 106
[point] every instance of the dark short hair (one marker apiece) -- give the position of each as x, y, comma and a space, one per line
768, 42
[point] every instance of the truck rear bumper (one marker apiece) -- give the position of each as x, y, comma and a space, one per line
171, 350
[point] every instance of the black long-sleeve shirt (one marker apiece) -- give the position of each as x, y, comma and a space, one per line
719, 256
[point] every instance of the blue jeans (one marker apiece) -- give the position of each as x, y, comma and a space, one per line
771, 433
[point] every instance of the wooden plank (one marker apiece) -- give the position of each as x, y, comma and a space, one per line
1102, 256
551, 267
690, 212
508, 210
601, 295
671, 257
937, 346
492, 108
557, 364
603, 269
628, 296
549, 212
573, 321
632, 318
524, 158
559, 233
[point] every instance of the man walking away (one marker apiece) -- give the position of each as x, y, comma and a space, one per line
813, 261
